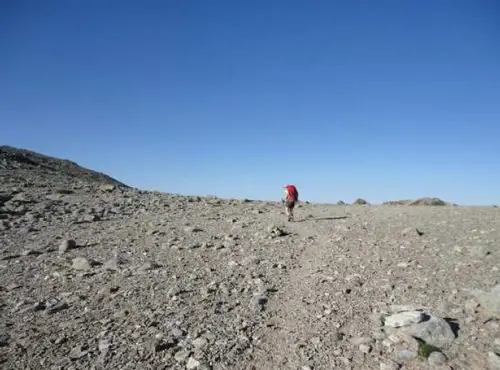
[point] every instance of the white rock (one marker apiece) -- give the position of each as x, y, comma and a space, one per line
365, 348
103, 345
192, 363
181, 355
108, 187
111, 265
66, 245
200, 343
436, 359
404, 319
489, 300
493, 361
81, 263
360, 340
391, 365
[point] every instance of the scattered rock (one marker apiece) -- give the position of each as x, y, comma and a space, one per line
360, 340
56, 306
489, 301
104, 345
493, 360
66, 245
404, 319
32, 252
148, 266
192, 363
479, 251
177, 333
81, 264
108, 188
365, 348
112, 264
200, 343
411, 230
390, 365
433, 330
181, 355
276, 231
436, 359
78, 352
39, 306
91, 218
191, 229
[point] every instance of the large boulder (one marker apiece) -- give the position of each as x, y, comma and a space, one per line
428, 202
360, 202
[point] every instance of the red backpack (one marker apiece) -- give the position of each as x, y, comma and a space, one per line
293, 194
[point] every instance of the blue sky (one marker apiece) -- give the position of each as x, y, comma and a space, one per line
375, 99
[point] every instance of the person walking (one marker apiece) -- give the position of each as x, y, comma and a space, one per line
291, 197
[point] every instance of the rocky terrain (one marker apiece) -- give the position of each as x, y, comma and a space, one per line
97, 275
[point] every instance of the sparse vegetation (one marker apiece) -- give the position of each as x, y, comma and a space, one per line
425, 350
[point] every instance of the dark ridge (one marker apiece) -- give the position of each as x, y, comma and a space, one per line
428, 201
15, 159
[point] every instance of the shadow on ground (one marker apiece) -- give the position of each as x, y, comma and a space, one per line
323, 218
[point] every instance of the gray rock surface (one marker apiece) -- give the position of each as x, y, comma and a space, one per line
211, 283
436, 360
489, 300
434, 331
404, 319
493, 360
391, 365
81, 263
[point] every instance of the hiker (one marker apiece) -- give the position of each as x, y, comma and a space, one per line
291, 197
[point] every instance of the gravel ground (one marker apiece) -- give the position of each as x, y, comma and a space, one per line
97, 275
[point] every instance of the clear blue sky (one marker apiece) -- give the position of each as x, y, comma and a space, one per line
374, 99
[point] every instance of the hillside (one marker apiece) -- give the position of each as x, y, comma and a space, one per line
98, 275
25, 166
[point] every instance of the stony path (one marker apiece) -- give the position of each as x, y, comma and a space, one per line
294, 316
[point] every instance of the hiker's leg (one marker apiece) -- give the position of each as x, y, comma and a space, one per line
289, 207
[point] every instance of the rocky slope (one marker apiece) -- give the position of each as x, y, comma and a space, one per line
96, 275
30, 168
